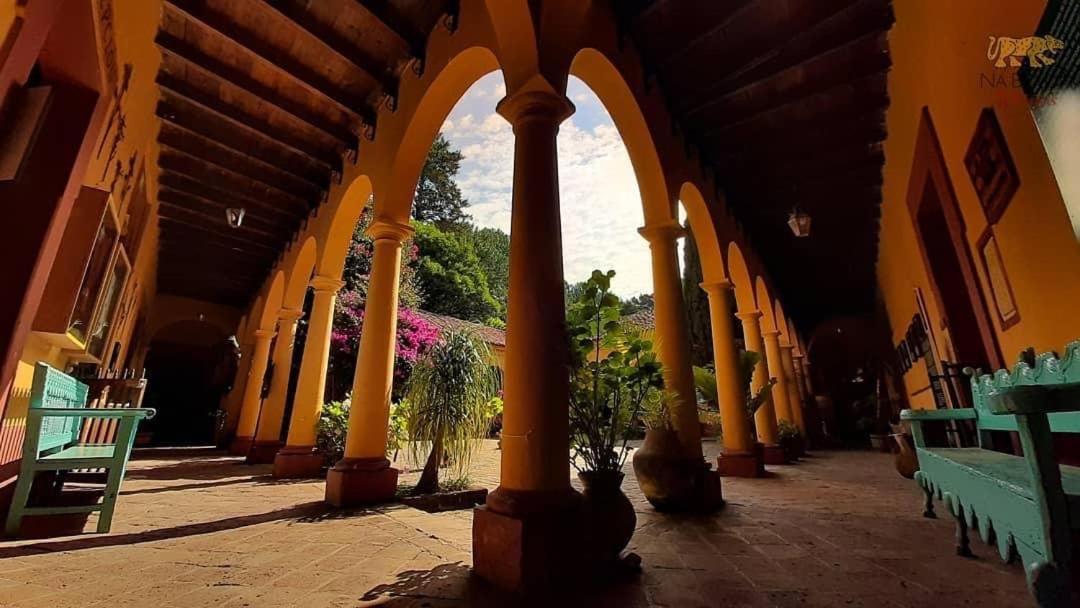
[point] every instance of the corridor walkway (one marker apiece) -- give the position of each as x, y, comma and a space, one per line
838, 529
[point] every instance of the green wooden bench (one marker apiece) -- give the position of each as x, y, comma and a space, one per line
53, 425
1025, 505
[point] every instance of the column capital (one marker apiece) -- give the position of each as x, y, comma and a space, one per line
388, 229
716, 287
535, 103
753, 315
662, 233
797, 355
290, 314
786, 346
323, 284
264, 334
771, 333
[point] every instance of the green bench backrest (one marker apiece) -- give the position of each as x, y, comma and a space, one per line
55, 389
1047, 370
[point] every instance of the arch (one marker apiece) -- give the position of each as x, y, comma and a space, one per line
515, 36
600, 75
393, 199
701, 222
781, 322
768, 318
740, 278
241, 327
272, 304
339, 234
300, 275
252, 323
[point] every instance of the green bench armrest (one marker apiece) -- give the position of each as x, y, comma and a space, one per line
92, 412
1035, 399
933, 415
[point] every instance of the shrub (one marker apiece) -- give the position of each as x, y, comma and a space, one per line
332, 428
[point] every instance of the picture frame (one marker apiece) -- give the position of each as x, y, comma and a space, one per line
990, 166
997, 279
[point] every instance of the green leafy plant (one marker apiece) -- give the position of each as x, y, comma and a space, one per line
705, 382
788, 431
656, 409
493, 411
607, 392
332, 428
397, 434
448, 396
748, 359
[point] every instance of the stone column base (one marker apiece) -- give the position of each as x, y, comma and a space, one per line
540, 548
361, 481
241, 446
775, 454
732, 464
298, 462
263, 452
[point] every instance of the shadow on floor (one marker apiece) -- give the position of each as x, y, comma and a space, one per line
261, 480
309, 512
207, 467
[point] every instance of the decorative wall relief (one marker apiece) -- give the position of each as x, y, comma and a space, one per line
1000, 288
991, 167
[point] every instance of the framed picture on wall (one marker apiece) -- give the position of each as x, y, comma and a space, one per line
991, 167
1001, 291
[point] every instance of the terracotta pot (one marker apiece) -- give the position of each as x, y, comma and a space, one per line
907, 462
879, 442
608, 514
666, 477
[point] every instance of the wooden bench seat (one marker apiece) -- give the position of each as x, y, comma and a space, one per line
1028, 506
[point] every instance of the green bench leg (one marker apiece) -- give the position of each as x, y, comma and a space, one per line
18, 503
928, 504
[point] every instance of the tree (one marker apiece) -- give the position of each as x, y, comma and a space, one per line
451, 277
637, 304
697, 304
438, 198
492, 247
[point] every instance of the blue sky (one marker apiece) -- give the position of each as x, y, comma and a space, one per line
601, 205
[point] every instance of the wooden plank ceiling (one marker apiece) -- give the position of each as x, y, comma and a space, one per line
260, 102
785, 100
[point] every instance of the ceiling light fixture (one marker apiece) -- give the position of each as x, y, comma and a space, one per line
234, 216
799, 222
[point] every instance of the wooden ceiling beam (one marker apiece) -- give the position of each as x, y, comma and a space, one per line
172, 214
321, 146
282, 227
810, 167
181, 138
193, 186
859, 18
280, 61
172, 159
193, 58
396, 24
176, 208
199, 282
868, 125
859, 58
180, 237
219, 127
848, 98
209, 271
347, 50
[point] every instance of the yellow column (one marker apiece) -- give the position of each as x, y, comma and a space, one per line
765, 417
268, 434
807, 382
738, 457
792, 387
299, 458
781, 398
235, 399
364, 475
252, 401
672, 336
524, 534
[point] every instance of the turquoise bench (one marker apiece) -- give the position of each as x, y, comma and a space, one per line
1026, 505
53, 426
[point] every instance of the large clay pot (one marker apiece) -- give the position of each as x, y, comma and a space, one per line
608, 514
666, 477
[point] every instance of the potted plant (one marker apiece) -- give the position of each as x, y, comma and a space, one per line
791, 439
612, 373
448, 393
708, 407
666, 477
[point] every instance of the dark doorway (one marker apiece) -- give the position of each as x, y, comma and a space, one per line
183, 387
939, 225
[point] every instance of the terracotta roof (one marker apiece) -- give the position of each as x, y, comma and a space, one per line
642, 319
492, 335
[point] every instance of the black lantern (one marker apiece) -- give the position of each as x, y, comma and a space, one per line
799, 222
234, 216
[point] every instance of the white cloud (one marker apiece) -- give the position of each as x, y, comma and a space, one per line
600, 202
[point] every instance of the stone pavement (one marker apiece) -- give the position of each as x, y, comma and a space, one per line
837, 529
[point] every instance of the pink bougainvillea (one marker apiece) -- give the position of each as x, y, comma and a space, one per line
414, 337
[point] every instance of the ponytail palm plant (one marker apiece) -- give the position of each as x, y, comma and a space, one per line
448, 393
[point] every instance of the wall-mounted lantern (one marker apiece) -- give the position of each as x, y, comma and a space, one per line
799, 222
234, 216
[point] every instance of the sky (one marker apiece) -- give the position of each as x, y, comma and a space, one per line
601, 205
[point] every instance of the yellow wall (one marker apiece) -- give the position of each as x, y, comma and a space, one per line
939, 52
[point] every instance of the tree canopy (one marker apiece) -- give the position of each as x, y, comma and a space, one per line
451, 277
438, 198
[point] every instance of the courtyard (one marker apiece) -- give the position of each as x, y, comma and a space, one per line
200, 528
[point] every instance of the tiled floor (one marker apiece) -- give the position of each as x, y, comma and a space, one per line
838, 529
